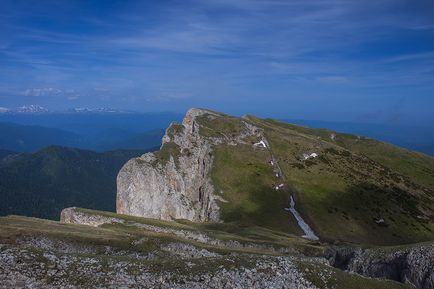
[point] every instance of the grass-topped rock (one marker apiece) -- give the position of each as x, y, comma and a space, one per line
218, 168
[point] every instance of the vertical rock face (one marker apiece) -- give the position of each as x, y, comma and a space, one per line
173, 183
411, 264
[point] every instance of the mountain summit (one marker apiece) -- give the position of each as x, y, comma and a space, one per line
249, 171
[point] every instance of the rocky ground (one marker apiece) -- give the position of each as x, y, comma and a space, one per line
145, 253
25, 267
407, 264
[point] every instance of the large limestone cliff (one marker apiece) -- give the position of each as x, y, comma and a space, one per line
173, 183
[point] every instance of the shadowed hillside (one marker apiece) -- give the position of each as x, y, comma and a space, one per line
41, 184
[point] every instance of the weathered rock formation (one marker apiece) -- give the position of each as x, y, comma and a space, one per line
75, 216
173, 183
409, 264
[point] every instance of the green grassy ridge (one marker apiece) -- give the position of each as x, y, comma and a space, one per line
167, 150
347, 182
122, 235
354, 182
345, 187
418, 166
12, 228
222, 231
244, 178
219, 125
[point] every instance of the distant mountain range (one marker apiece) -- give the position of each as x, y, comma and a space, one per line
25, 138
97, 130
28, 138
37, 109
108, 129
41, 184
24, 109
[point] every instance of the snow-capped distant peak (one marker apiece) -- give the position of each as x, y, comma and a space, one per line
33, 108
98, 110
37, 109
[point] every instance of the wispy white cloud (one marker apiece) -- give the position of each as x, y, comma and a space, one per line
413, 56
46, 91
193, 50
333, 79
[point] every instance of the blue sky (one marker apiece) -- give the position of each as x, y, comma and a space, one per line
363, 61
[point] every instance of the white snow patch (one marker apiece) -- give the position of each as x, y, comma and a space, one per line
310, 156
279, 186
261, 143
308, 232
333, 136
379, 221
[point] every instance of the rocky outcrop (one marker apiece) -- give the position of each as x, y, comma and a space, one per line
175, 183
74, 216
413, 264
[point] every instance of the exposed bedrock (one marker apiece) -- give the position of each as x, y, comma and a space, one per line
72, 215
174, 182
407, 265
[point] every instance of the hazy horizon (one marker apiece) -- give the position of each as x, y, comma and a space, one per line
103, 126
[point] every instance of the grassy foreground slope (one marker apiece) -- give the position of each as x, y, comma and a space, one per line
357, 189
153, 253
